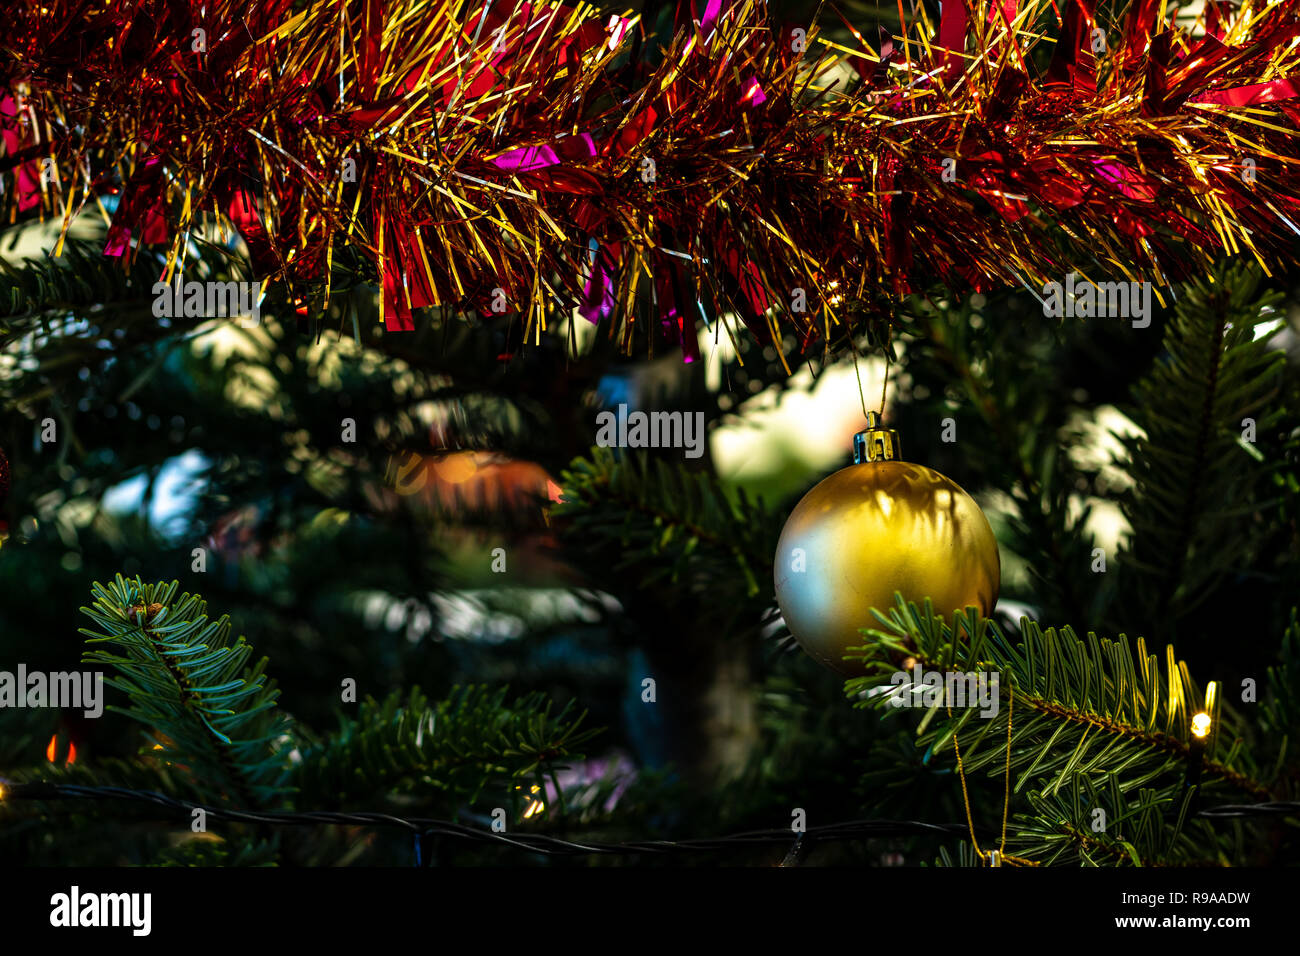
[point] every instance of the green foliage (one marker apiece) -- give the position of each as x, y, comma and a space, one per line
151, 770
647, 521
1094, 723
80, 277
1063, 826
214, 851
216, 730
189, 681
1279, 699
1196, 483
1015, 387
963, 854
92, 832
445, 752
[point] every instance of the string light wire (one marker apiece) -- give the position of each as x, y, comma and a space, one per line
555, 846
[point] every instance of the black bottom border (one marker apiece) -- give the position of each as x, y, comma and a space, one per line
332, 907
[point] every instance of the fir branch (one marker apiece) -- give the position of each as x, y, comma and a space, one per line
1194, 479
450, 749
189, 681
1280, 707
81, 278
150, 772
660, 522
1006, 403
1067, 828
1084, 710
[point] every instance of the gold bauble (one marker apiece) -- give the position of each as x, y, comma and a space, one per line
871, 529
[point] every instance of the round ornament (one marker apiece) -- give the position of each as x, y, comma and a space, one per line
879, 526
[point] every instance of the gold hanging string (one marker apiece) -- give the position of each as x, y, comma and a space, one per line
965, 797
1006, 796
1006, 799
858, 373
884, 385
889, 335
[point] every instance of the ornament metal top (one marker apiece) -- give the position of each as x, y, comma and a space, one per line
879, 526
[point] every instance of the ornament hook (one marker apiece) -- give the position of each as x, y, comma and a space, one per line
876, 443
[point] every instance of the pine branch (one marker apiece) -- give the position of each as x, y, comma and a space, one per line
190, 682
451, 749
1280, 706
652, 522
1095, 686
1195, 479
98, 832
1066, 828
150, 771
81, 278
1084, 710
1011, 389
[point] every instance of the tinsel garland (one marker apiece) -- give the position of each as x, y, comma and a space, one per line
516, 158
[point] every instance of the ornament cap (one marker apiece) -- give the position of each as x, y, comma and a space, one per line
876, 443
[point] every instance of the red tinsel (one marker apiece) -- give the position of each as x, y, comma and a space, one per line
511, 160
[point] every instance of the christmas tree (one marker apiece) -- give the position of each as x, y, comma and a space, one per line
407, 410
